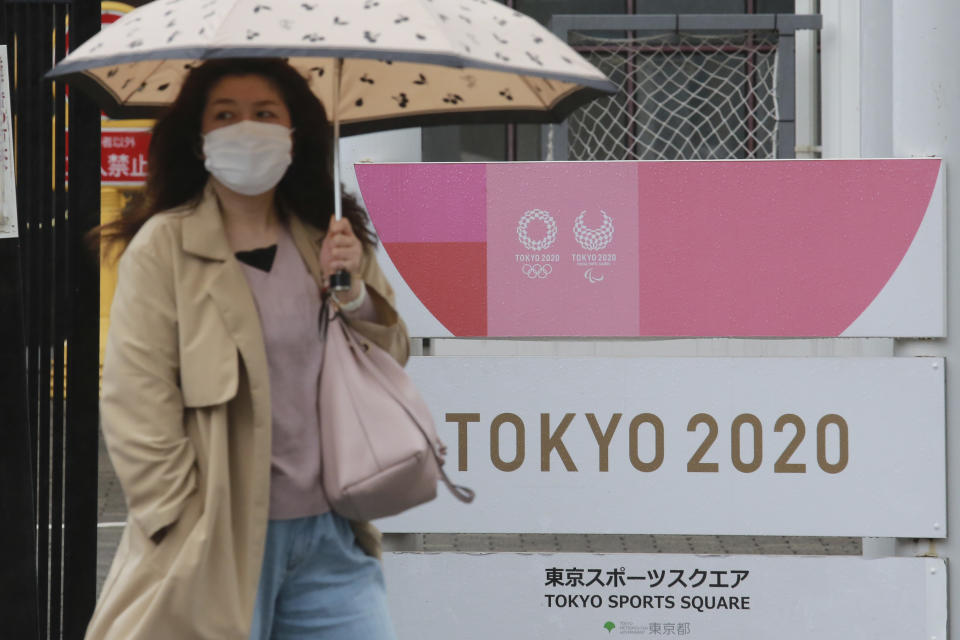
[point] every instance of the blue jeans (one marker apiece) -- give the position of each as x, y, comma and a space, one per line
317, 583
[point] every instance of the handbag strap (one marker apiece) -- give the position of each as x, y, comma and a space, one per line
460, 492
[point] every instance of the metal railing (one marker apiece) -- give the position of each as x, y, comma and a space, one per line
49, 323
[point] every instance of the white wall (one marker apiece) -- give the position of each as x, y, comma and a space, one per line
857, 78
891, 88
840, 71
876, 59
925, 100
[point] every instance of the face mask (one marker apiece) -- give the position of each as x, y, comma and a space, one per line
248, 157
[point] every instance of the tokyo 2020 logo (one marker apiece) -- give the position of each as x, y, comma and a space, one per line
548, 239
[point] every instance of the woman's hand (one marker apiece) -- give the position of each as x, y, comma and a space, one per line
341, 249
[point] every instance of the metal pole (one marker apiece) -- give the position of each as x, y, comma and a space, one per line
786, 95
18, 589
81, 308
339, 281
335, 107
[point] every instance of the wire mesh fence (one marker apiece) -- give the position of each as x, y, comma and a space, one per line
682, 96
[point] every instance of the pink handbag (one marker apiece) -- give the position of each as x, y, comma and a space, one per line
381, 453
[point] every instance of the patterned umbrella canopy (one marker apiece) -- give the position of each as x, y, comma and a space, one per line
384, 64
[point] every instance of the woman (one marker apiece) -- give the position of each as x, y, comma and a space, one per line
210, 376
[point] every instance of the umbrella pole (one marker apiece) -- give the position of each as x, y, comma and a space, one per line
337, 197
339, 281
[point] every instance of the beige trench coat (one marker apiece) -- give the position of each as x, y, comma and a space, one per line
186, 418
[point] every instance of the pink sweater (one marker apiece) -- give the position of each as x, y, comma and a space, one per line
288, 302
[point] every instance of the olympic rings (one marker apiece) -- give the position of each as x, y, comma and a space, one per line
535, 271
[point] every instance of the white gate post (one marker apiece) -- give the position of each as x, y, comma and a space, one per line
925, 107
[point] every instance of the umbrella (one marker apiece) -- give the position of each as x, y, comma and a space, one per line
375, 64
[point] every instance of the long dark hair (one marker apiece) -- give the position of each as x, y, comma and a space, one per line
176, 175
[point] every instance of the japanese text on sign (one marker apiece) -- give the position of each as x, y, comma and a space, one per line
693, 578
123, 157
564, 583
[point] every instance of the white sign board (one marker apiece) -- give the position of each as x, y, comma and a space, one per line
580, 596
8, 191
736, 446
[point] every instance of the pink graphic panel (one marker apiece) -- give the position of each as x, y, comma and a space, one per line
561, 249
426, 202
722, 248
772, 248
449, 278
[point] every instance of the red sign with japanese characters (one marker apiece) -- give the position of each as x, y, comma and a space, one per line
123, 156
123, 151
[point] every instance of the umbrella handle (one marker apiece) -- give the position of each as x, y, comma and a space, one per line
340, 281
